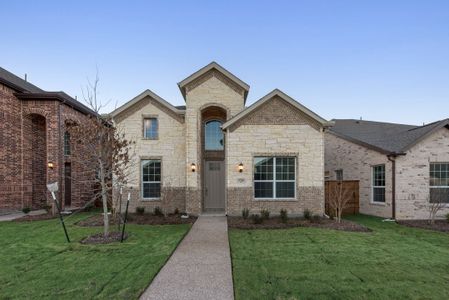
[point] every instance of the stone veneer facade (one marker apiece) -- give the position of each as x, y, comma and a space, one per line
412, 173
276, 128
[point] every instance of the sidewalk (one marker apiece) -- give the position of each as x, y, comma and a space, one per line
18, 214
200, 268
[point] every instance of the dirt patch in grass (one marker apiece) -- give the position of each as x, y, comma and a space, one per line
143, 219
439, 225
28, 218
99, 238
276, 223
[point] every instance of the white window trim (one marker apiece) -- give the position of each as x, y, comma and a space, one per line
437, 186
274, 181
142, 182
378, 186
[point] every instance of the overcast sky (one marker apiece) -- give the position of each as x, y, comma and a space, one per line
379, 60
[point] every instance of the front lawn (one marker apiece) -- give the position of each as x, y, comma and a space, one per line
391, 262
36, 261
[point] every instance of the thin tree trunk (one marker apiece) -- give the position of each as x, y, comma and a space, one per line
104, 199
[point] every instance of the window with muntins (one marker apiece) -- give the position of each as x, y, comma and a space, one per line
151, 179
378, 184
66, 143
213, 136
439, 183
150, 128
274, 177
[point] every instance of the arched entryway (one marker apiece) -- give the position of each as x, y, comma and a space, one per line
213, 156
35, 160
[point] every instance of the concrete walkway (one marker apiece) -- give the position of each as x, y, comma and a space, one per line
200, 268
9, 216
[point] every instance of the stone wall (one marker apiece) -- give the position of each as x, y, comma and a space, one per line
213, 89
169, 147
413, 172
356, 162
301, 141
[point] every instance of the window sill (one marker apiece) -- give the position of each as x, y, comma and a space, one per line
150, 199
275, 199
378, 203
149, 139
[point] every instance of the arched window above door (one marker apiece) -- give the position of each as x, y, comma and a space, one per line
213, 136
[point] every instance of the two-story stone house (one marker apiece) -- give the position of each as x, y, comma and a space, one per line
216, 155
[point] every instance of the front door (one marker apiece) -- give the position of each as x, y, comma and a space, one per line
67, 185
214, 186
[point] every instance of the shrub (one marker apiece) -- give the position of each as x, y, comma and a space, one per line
176, 212
284, 216
307, 214
89, 207
257, 219
447, 217
26, 210
158, 211
140, 210
245, 213
265, 213
316, 218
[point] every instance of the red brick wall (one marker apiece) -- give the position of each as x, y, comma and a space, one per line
10, 150
31, 135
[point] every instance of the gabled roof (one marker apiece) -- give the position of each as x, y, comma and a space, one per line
268, 97
204, 70
17, 83
387, 138
143, 95
28, 91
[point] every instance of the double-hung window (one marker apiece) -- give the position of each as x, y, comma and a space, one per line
439, 183
378, 184
274, 177
150, 128
151, 179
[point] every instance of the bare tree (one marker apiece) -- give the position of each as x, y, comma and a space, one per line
437, 202
339, 199
101, 148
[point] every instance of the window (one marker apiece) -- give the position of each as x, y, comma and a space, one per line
151, 179
66, 143
378, 192
339, 174
150, 128
274, 177
439, 182
213, 136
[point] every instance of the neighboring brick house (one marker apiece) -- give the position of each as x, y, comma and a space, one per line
215, 155
35, 148
401, 169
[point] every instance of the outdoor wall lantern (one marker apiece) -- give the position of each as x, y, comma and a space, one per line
240, 167
50, 165
193, 167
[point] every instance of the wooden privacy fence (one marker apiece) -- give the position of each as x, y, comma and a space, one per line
351, 188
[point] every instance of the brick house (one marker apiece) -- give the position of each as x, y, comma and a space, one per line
35, 147
216, 155
401, 169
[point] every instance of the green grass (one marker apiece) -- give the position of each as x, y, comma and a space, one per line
36, 261
392, 262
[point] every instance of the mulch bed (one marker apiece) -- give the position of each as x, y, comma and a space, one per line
29, 218
99, 238
275, 223
140, 219
439, 225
